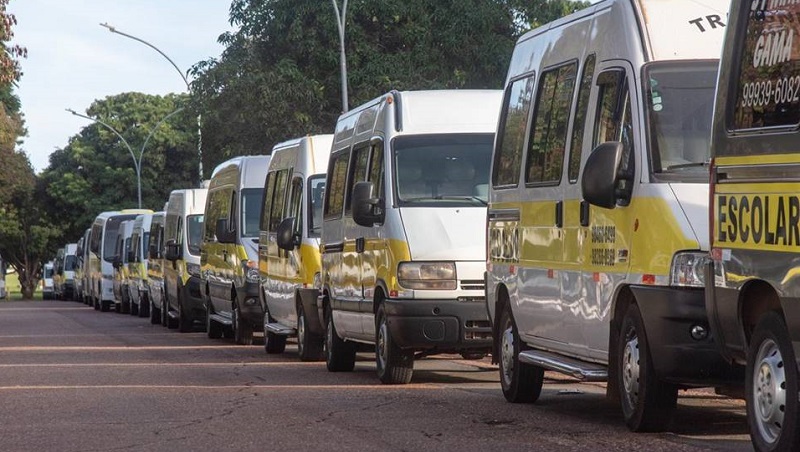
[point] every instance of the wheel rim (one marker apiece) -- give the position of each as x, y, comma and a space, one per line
329, 339
630, 369
769, 390
301, 332
507, 356
382, 344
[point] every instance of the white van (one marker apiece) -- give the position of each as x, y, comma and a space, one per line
66, 290
155, 269
137, 266
403, 235
288, 249
229, 253
122, 301
102, 241
598, 205
85, 274
183, 235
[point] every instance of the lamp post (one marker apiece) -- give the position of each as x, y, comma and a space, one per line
137, 162
340, 18
113, 29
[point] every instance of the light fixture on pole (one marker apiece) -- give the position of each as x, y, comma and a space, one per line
113, 29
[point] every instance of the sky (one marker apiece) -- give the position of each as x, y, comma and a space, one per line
73, 61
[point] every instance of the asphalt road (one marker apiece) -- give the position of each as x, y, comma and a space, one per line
75, 379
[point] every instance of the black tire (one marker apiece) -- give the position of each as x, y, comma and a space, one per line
647, 403
171, 322
155, 313
309, 345
144, 305
105, 305
134, 311
96, 304
340, 355
520, 382
164, 309
769, 384
185, 321
395, 366
213, 329
274, 344
242, 331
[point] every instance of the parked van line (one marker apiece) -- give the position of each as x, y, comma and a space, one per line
598, 203
85, 292
229, 253
403, 249
138, 262
103, 239
66, 282
288, 249
121, 265
752, 279
155, 270
183, 236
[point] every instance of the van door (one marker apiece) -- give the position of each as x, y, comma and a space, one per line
356, 237
608, 232
374, 258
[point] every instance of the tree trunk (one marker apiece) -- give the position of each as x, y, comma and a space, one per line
28, 287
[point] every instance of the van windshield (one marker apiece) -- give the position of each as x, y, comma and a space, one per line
195, 233
449, 170
110, 236
679, 102
69, 263
251, 211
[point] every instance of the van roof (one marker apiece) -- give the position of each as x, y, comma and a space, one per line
252, 168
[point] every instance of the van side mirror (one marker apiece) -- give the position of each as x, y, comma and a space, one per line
288, 238
601, 175
153, 252
173, 251
222, 232
367, 209
116, 261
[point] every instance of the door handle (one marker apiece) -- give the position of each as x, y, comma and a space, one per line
360, 245
584, 213
560, 214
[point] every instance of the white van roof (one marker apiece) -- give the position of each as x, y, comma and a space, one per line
453, 111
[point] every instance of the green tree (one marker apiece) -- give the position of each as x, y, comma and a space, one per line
278, 77
95, 171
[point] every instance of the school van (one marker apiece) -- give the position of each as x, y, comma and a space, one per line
183, 235
47, 280
598, 205
155, 270
403, 235
66, 289
753, 281
138, 262
79, 268
102, 242
229, 253
288, 249
122, 270
84, 276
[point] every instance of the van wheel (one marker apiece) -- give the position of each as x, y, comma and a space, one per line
242, 331
770, 380
647, 403
164, 308
105, 305
155, 313
520, 382
134, 311
340, 355
95, 304
213, 329
185, 323
309, 345
144, 305
273, 343
394, 365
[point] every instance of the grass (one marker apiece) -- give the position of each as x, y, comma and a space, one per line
13, 288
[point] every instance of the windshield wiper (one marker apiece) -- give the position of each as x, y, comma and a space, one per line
463, 198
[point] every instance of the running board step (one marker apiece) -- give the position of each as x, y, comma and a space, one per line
221, 320
280, 330
569, 366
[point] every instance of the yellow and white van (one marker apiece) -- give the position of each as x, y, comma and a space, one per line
155, 269
288, 249
183, 234
138, 262
753, 283
403, 239
229, 254
598, 204
122, 269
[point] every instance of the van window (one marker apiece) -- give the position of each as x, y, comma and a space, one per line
447, 170
111, 233
194, 229
511, 137
316, 191
251, 211
278, 199
679, 99
157, 232
219, 203
266, 208
135, 246
334, 193
69, 263
295, 206
548, 139
95, 237
579, 124
767, 90
358, 172
125, 251
614, 121
145, 244
376, 168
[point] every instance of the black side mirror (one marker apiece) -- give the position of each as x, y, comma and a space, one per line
367, 209
222, 232
601, 175
116, 261
173, 251
288, 238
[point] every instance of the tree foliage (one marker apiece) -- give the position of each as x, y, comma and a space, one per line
278, 77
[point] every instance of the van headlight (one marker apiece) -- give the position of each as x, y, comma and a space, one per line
687, 269
251, 274
427, 275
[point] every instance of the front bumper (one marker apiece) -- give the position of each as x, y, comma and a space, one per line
441, 325
250, 306
669, 315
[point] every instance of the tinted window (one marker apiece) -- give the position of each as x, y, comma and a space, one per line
334, 194
768, 86
316, 189
278, 202
251, 211
579, 125
266, 209
219, 203
194, 229
69, 263
508, 156
358, 172
111, 233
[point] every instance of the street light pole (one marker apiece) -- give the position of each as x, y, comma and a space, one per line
113, 29
137, 162
340, 23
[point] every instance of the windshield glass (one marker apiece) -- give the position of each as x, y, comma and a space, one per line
110, 236
251, 211
48, 272
316, 192
195, 233
69, 263
680, 100
442, 170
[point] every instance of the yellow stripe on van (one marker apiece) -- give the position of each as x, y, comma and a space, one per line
765, 217
748, 160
